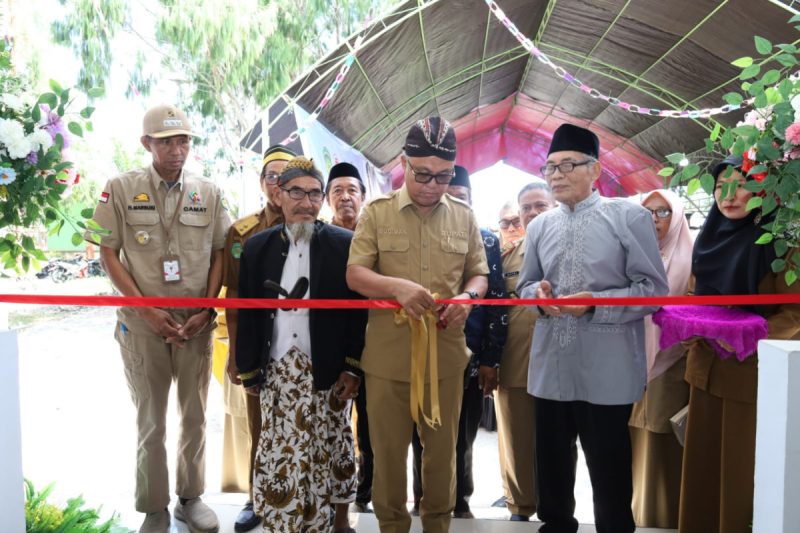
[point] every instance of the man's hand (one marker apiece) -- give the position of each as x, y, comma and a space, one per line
195, 324
577, 310
456, 314
545, 290
161, 322
230, 368
346, 387
414, 298
487, 379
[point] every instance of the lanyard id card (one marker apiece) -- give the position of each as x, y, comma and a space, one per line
171, 268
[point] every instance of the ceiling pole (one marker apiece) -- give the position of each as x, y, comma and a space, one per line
427, 61
483, 60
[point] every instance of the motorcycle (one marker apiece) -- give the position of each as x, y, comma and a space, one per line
67, 269
95, 268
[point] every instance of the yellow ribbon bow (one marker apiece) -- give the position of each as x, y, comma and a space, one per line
423, 347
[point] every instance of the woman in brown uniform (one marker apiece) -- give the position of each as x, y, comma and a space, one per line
719, 458
656, 451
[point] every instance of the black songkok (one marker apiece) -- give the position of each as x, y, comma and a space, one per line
431, 136
461, 179
569, 137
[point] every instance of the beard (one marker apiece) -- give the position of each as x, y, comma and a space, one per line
300, 231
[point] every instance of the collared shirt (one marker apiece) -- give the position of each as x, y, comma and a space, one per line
129, 209
240, 231
609, 248
440, 251
291, 328
517, 349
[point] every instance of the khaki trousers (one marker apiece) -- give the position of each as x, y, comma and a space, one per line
390, 427
151, 365
240, 438
516, 441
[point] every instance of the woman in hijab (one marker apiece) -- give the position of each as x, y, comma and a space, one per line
656, 451
719, 455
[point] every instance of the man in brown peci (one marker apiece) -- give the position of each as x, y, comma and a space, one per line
165, 232
408, 245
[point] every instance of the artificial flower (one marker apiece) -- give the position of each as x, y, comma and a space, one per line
793, 134
7, 175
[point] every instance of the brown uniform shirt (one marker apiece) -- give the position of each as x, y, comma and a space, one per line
129, 210
521, 320
440, 252
241, 230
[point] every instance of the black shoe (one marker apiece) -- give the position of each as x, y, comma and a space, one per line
247, 519
359, 507
500, 502
463, 514
414, 510
519, 518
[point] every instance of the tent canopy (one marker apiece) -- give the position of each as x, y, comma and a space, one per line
453, 58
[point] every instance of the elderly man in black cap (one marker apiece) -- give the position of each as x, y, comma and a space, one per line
303, 363
345, 192
410, 245
486, 334
587, 364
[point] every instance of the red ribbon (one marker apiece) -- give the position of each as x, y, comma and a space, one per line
272, 303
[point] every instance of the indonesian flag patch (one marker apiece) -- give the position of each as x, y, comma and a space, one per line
104, 197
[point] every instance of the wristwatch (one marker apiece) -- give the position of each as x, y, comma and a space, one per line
472, 294
212, 313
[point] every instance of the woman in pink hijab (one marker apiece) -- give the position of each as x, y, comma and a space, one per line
657, 454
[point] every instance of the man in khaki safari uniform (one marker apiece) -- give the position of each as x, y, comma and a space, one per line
409, 245
165, 233
243, 434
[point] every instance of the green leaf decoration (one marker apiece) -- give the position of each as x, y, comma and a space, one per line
55, 87
733, 98
763, 46
727, 140
790, 277
707, 182
781, 247
778, 265
96, 92
76, 239
691, 171
753, 202
87, 213
86, 112
750, 72
772, 76
765, 238
666, 171
676, 158
768, 205
692, 187
742, 62
717, 127
50, 99
75, 128
787, 60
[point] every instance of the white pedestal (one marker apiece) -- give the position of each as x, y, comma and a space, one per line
776, 507
12, 497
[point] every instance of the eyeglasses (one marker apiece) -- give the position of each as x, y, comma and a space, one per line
661, 212
271, 177
442, 178
506, 223
565, 168
296, 193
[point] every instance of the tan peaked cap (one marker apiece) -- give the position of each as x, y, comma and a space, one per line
166, 121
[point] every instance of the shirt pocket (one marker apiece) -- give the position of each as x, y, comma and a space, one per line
143, 231
453, 258
393, 255
194, 229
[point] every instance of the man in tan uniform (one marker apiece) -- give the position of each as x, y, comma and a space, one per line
165, 233
514, 406
409, 245
244, 431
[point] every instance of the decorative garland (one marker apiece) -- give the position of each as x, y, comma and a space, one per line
594, 93
337, 82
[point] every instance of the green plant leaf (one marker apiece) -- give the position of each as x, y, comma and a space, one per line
55, 87
785, 88
87, 213
96, 92
772, 76
709, 146
787, 60
765, 238
758, 169
763, 46
76, 239
742, 62
750, 72
790, 277
26, 263
794, 19
761, 100
768, 205
781, 247
753, 186
727, 140
75, 128
676, 158
666, 171
691, 171
50, 99
707, 182
733, 98
778, 265
692, 187
745, 130
86, 112
715, 132
676, 180
753, 202
36, 113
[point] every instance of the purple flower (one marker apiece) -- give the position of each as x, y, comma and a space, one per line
32, 158
55, 125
